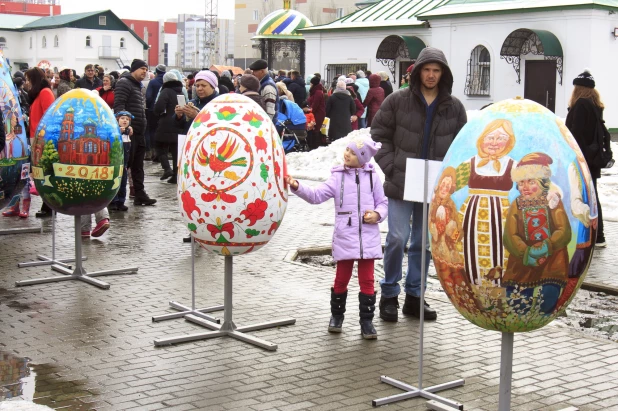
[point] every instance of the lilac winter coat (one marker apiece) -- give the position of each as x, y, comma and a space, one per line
353, 195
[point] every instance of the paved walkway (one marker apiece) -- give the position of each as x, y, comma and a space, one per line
93, 349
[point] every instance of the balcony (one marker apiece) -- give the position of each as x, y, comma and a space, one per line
108, 52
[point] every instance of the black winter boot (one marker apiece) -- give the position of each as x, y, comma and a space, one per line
389, 309
367, 305
337, 309
412, 307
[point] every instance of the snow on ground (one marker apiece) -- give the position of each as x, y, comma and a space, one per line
316, 164
22, 406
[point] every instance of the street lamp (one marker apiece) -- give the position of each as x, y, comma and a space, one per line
244, 46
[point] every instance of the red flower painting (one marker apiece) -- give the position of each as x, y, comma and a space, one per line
255, 211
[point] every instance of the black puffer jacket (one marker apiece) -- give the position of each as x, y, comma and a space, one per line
168, 128
339, 108
400, 122
297, 88
129, 97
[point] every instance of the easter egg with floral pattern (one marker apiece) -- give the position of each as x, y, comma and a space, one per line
77, 155
231, 188
513, 218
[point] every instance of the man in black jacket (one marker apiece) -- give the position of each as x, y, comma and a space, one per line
89, 81
129, 97
418, 122
296, 85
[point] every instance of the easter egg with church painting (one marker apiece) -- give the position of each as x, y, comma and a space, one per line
77, 155
513, 218
231, 187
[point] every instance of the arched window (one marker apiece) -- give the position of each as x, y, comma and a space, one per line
30, 42
478, 78
121, 42
44, 42
2, 42
88, 41
55, 41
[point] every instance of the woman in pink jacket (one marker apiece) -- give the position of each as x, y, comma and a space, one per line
360, 204
375, 97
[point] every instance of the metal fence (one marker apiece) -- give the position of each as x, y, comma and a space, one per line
331, 71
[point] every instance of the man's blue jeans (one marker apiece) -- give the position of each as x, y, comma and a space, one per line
399, 232
362, 122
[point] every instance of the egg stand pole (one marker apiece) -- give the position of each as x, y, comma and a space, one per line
184, 310
414, 392
228, 327
46, 260
79, 273
506, 371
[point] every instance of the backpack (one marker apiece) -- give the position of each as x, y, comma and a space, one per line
599, 153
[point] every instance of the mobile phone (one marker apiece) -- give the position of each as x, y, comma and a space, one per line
181, 100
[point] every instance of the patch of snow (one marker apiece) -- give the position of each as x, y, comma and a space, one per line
22, 406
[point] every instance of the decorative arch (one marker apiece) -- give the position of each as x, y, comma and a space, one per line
396, 47
537, 42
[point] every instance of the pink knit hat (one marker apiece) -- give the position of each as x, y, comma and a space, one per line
208, 76
364, 148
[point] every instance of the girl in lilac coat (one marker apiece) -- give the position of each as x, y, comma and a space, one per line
360, 204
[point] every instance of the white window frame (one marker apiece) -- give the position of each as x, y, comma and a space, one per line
102, 20
478, 78
339, 13
88, 41
30, 41
123, 44
3, 42
256, 15
56, 41
44, 42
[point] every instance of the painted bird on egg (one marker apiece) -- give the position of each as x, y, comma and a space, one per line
513, 218
231, 190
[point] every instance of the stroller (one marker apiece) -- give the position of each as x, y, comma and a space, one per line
292, 127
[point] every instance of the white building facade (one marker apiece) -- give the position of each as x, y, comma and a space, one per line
55, 43
494, 51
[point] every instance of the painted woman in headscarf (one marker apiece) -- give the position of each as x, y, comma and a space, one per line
488, 177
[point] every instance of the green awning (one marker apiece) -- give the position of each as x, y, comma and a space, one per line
547, 44
405, 47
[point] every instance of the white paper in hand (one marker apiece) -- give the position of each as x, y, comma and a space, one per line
415, 179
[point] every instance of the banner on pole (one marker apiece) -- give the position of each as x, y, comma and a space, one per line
415, 179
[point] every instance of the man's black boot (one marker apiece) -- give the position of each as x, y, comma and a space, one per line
389, 309
143, 199
412, 307
367, 306
337, 309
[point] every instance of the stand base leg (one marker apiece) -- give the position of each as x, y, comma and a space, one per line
21, 230
226, 330
79, 275
44, 260
413, 392
184, 311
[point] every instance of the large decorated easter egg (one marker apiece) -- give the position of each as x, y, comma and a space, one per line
77, 154
513, 218
14, 162
231, 188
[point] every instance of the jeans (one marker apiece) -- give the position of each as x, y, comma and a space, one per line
362, 123
136, 164
121, 196
399, 232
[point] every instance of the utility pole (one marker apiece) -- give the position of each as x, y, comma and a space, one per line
210, 32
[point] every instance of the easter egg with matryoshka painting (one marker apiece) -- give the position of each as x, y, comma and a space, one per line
231, 187
77, 155
513, 218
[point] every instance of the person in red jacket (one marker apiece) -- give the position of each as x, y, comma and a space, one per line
106, 91
41, 96
374, 98
317, 103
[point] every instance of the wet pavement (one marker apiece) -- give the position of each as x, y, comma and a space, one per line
93, 349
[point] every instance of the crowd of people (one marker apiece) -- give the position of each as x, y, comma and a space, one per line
420, 120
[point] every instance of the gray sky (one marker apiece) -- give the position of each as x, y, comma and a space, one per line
138, 10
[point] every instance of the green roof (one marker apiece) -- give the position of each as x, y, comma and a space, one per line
383, 15
89, 20
463, 8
